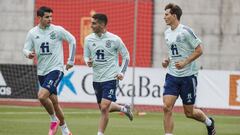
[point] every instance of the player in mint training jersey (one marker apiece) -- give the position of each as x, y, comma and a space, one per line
101, 51
184, 47
45, 42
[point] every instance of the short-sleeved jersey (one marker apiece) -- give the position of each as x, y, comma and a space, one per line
181, 43
48, 46
104, 51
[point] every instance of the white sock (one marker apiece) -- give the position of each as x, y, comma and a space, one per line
65, 128
168, 134
208, 122
99, 133
123, 109
53, 118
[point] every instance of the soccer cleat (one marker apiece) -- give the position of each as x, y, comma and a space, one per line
211, 129
66, 133
53, 128
129, 113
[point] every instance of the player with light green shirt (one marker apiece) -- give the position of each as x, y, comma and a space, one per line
45, 41
181, 43
101, 52
104, 51
184, 47
47, 44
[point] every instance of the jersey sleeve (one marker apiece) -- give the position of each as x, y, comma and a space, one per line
72, 44
193, 40
125, 55
86, 51
28, 45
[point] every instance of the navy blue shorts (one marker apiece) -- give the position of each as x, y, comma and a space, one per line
51, 80
106, 90
183, 86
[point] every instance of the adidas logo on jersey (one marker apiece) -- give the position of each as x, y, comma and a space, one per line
4, 89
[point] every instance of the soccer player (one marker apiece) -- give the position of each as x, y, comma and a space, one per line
45, 42
101, 50
184, 47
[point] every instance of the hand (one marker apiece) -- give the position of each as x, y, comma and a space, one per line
180, 64
165, 63
90, 62
120, 76
31, 55
68, 66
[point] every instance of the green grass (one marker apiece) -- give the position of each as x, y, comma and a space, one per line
35, 121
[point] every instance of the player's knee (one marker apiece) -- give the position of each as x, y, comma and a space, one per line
167, 109
41, 98
104, 109
189, 114
43, 95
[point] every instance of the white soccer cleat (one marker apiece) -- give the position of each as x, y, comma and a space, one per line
129, 113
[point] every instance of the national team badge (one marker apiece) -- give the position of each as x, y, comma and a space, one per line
53, 35
108, 43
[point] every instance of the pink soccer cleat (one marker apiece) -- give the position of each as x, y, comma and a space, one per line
53, 128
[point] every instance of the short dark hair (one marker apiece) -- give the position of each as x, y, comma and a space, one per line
42, 10
102, 18
174, 9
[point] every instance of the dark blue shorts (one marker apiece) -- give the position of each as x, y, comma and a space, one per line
183, 86
106, 90
51, 81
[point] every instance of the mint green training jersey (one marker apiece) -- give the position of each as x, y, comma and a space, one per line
48, 46
181, 43
104, 51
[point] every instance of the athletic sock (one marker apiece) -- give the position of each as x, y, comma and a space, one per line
208, 122
100, 133
53, 118
65, 128
123, 109
168, 134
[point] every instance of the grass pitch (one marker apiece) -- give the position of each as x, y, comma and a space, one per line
16, 120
